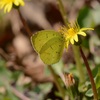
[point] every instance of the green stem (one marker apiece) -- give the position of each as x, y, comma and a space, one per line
71, 94
63, 12
78, 63
75, 49
61, 90
90, 75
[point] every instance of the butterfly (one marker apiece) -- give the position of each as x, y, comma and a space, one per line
49, 44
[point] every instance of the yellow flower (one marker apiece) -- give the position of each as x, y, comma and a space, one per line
71, 33
8, 4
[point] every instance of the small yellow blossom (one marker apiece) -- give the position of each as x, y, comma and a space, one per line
71, 33
8, 4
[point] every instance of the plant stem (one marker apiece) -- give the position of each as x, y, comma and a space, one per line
61, 90
75, 49
25, 24
78, 63
63, 12
90, 75
71, 94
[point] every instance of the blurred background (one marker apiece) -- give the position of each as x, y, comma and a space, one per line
23, 76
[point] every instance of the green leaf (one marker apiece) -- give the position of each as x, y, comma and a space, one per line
49, 45
89, 17
85, 17
96, 14
89, 93
99, 93
59, 69
95, 70
98, 79
47, 87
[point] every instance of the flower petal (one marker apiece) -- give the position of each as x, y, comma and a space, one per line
84, 29
8, 4
76, 38
81, 33
72, 41
8, 7
66, 44
19, 2
1, 5
16, 2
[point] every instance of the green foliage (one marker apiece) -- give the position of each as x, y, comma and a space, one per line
98, 79
85, 17
89, 93
5, 78
88, 17
99, 93
8, 77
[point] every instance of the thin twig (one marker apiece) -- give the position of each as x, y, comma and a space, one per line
25, 24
